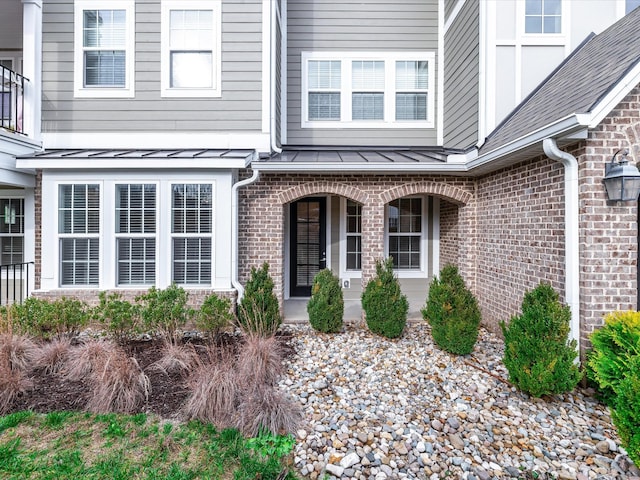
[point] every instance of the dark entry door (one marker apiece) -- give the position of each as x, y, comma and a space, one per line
308, 244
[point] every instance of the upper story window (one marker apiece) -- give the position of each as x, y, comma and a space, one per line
104, 48
191, 54
543, 16
367, 90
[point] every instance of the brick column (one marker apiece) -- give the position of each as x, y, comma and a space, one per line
372, 237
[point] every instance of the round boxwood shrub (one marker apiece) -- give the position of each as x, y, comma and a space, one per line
259, 310
453, 313
384, 304
538, 354
214, 314
326, 305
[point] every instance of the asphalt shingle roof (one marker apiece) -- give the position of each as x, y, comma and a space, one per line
578, 84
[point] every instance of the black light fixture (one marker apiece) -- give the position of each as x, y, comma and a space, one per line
621, 180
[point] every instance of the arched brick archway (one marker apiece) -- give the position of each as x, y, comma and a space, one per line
438, 189
314, 188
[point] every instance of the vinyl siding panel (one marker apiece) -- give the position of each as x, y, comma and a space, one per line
449, 5
238, 109
353, 25
461, 72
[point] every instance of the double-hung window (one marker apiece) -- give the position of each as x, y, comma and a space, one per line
104, 48
11, 231
191, 54
543, 16
354, 235
404, 226
135, 212
367, 90
191, 229
79, 230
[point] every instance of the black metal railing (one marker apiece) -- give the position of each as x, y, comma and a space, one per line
14, 282
11, 100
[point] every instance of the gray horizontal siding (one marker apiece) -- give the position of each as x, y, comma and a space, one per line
461, 70
239, 108
353, 25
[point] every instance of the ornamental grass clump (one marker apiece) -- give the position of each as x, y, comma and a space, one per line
259, 310
384, 304
326, 305
453, 313
538, 354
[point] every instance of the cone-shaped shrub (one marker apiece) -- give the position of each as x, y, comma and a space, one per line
384, 304
626, 410
614, 346
453, 313
326, 305
538, 354
259, 311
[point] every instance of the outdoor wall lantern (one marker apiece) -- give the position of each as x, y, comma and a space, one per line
621, 180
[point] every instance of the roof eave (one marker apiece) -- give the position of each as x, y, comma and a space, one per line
135, 163
289, 167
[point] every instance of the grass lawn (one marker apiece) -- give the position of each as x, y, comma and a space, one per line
65, 445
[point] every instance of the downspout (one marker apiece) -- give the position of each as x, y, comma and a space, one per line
572, 234
234, 229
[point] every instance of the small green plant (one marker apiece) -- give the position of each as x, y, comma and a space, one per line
626, 410
259, 310
118, 316
165, 311
384, 304
214, 314
614, 347
453, 313
538, 354
326, 305
267, 444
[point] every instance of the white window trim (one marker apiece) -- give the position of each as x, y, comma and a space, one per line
216, 48
424, 235
390, 90
80, 91
17, 195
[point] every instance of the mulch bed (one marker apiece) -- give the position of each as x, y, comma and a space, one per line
52, 392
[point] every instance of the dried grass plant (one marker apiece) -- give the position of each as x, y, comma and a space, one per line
12, 384
120, 387
17, 352
260, 361
52, 356
265, 407
257, 320
213, 389
88, 358
177, 358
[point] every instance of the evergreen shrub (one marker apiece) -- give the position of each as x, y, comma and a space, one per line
165, 311
538, 354
45, 319
214, 314
117, 315
453, 313
626, 410
259, 310
384, 304
326, 305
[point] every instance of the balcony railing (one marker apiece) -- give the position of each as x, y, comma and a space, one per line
11, 100
14, 282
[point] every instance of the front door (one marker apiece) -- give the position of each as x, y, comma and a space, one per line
308, 243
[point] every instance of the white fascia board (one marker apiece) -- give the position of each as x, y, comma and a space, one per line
15, 178
560, 128
15, 144
615, 96
156, 140
445, 168
154, 163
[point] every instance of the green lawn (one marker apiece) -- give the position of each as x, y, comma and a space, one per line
64, 445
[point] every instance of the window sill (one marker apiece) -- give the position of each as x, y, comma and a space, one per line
368, 125
191, 93
107, 92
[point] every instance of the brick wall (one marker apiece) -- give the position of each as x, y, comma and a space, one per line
38, 228
449, 234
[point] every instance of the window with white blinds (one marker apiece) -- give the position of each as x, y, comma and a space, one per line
79, 230
367, 90
404, 231
135, 212
354, 235
191, 228
104, 48
191, 48
11, 231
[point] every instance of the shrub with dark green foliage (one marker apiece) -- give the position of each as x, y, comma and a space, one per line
214, 314
326, 305
165, 311
46, 319
116, 315
614, 346
626, 410
453, 313
538, 354
384, 304
259, 310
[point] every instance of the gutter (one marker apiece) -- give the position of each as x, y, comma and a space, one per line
571, 236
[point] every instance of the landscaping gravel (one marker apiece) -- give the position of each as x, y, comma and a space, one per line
392, 409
